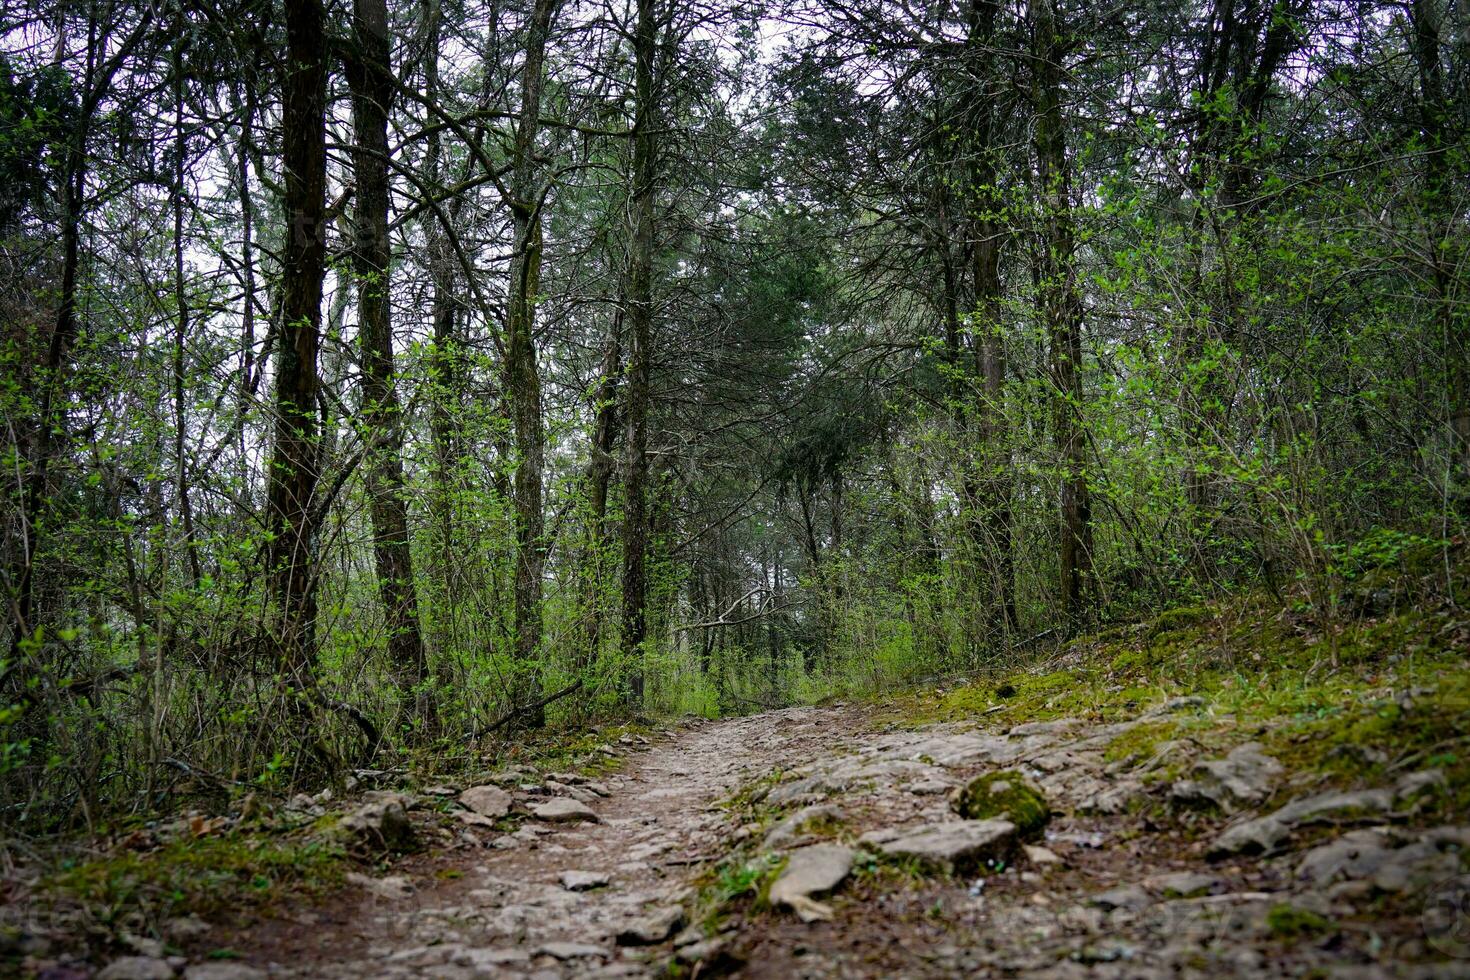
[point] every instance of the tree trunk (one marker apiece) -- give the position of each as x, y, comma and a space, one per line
523, 382
291, 555
992, 532
640, 317
1062, 307
369, 74
600, 473
1444, 246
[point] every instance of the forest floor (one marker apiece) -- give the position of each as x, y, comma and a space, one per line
1158, 802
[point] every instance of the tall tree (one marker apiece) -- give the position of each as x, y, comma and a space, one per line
639, 295
295, 460
1061, 304
371, 80
523, 380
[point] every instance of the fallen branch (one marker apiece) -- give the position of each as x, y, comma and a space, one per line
369, 730
516, 712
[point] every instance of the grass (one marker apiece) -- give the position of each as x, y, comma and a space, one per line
230, 872
1353, 701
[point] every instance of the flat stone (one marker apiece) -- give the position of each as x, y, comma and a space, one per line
1130, 897
223, 970
570, 951
581, 881
811, 871
137, 968
651, 929
483, 958
394, 887
950, 846
788, 829
488, 801
472, 819
1046, 727
930, 787
1173, 705
1182, 884
1262, 835
1333, 807
1039, 855
563, 810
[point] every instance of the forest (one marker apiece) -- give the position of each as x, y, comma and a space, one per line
379, 378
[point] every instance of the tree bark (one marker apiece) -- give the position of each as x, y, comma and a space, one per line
1062, 307
291, 554
600, 473
523, 382
640, 318
992, 533
370, 78
1427, 20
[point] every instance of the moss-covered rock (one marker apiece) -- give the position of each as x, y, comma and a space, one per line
1008, 794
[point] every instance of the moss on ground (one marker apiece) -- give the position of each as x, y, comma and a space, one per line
1356, 700
1009, 795
204, 875
1290, 922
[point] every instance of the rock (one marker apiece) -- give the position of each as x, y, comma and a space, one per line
651, 929
1046, 727
581, 881
1173, 705
563, 810
137, 968
1130, 897
487, 801
1040, 855
790, 828
1416, 784
1262, 835
569, 951
951, 846
185, 927
1182, 884
711, 956
381, 824
1241, 779
808, 788
929, 787
487, 959
143, 945
1372, 857
394, 887
1340, 807
472, 819
810, 871
223, 970
1009, 795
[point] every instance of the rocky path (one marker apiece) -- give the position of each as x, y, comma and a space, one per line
602, 891
818, 843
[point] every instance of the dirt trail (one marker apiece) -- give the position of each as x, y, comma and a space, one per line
504, 910
1110, 890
